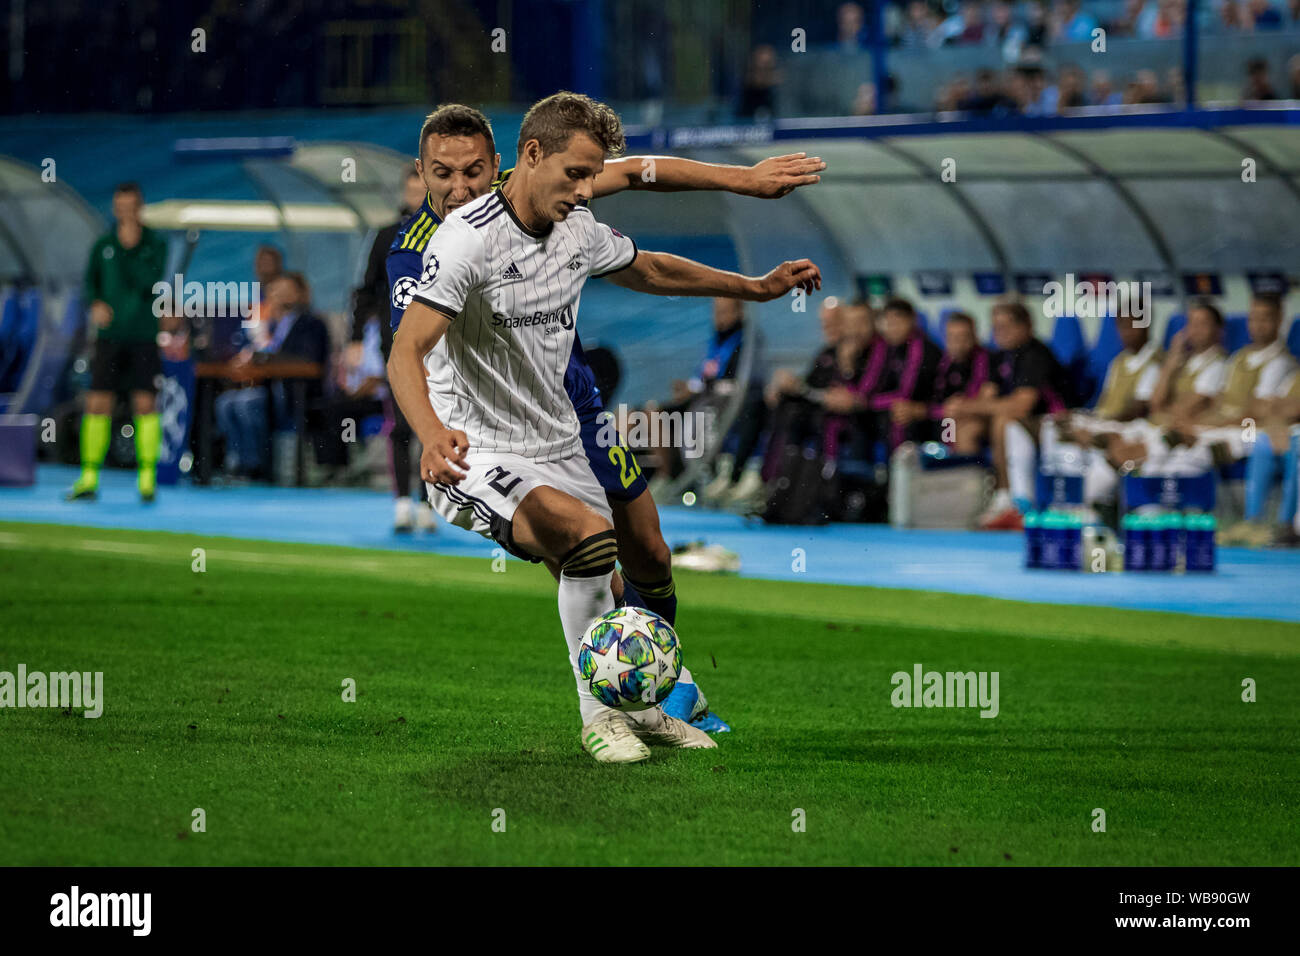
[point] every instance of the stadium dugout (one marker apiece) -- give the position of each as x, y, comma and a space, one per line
46, 231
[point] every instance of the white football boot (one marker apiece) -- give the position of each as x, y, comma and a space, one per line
403, 515
674, 732
610, 739
424, 519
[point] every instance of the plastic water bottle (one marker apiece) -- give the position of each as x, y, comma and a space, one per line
1050, 526
1158, 553
1177, 542
1135, 542
1033, 540
1200, 542
1072, 542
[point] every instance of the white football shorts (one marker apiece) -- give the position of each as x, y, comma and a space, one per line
486, 499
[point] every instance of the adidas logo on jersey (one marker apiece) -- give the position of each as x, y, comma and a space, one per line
511, 273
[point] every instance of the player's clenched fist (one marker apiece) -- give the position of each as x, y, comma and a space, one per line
443, 459
799, 274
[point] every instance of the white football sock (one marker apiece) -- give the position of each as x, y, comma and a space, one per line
1022, 462
582, 600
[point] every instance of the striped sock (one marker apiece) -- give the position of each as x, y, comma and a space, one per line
660, 597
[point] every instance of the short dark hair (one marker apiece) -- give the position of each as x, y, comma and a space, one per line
554, 120
1017, 310
298, 279
965, 317
456, 119
1209, 307
1271, 300
128, 187
900, 305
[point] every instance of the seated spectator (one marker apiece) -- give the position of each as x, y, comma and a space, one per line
361, 385
1293, 66
710, 388
799, 406
919, 29
1275, 452
888, 401
962, 372
1071, 89
1192, 373
287, 330
1191, 378
851, 30
1072, 442
762, 77
1257, 386
1005, 31
1102, 93
1145, 88
1258, 85
1169, 18
1027, 382
1072, 24
987, 98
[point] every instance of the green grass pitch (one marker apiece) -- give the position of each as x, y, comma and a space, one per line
223, 691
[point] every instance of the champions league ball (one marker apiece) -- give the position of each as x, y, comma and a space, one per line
630, 658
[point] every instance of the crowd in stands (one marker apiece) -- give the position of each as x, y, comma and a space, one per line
1022, 82
880, 381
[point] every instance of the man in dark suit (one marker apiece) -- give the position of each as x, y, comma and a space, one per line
288, 332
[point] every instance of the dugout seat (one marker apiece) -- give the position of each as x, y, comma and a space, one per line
1101, 355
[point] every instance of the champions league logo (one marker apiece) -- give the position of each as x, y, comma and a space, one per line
430, 270
403, 291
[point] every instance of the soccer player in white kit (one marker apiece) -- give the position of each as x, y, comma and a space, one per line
478, 362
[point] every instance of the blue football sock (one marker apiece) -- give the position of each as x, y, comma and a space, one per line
631, 597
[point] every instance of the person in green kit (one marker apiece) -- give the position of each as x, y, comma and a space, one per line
124, 265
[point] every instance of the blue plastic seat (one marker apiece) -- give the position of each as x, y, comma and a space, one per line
1177, 322
1068, 346
1108, 346
1235, 333
1293, 336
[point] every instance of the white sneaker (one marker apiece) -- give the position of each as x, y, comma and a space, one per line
747, 488
424, 518
719, 487
403, 515
673, 732
610, 739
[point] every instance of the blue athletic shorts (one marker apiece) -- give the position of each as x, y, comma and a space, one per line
613, 464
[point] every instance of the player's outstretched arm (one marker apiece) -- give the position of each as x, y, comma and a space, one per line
420, 330
660, 273
771, 178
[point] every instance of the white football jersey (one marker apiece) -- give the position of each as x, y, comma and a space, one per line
512, 295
